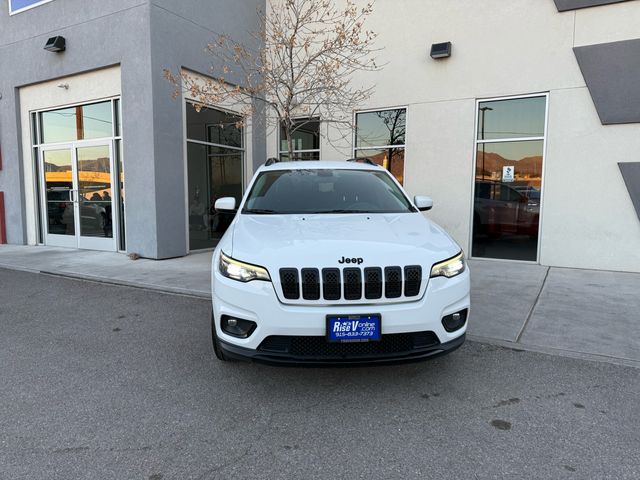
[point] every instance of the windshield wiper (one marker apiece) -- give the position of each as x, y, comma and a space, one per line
260, 211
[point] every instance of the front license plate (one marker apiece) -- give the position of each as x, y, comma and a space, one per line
354, 328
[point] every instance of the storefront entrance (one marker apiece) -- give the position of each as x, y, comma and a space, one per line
79, 171
78, 208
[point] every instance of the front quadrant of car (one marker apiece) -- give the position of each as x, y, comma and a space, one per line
331, 263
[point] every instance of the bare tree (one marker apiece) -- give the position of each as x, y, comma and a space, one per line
303, 69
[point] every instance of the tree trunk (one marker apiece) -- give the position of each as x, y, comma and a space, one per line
287, 130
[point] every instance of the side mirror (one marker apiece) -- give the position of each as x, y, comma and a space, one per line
423, 203
225, 205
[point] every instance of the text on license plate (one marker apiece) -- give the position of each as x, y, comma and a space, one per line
353, 328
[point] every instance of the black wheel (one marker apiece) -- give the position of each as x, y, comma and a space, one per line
216, 342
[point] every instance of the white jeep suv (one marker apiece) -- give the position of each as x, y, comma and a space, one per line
331, 263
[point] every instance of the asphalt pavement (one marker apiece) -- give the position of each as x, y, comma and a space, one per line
109, 382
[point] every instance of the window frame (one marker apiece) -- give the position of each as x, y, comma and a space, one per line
188, 102
28, 7
383, 147
477, 141
311, 150
116, 140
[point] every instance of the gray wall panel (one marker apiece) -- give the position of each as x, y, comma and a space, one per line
117, 37
631, 174
50, 17
564, 5
179, 34
143, 38
612, 74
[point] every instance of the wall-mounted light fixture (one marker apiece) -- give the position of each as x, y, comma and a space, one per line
56, 44
63, 85
441, 50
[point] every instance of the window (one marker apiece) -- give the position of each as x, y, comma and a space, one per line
316, 191
17, 6
83, 122
381, 136
306, 140
508, 179
215, 159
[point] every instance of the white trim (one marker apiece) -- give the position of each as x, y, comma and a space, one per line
301, 151
542, 173
381, 147
219, 145
28, 7
506, 140
382, 109
513, 97
185, 150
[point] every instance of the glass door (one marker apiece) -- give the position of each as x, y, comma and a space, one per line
78, 184
58, 183
94, 205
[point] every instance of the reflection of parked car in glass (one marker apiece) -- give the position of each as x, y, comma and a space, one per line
56, 205
502, 209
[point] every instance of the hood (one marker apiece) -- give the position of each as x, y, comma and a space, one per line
277, 241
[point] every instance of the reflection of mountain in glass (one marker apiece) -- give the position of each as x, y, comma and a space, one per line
527, 169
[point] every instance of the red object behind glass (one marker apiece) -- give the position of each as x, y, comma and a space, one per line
3, 229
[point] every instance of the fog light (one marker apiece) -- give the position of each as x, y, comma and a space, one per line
455, 321
237, 327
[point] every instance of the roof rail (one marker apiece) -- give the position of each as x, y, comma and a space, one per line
271, 161
366, 160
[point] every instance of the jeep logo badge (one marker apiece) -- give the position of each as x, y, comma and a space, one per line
351, 260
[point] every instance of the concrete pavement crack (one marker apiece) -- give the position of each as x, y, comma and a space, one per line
533, 307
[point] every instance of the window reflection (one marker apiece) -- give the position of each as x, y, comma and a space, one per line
507, 200
94, 192
390, 158
83, 122
517, 118
306, 141
58, 171
214, 126
384, 128
215, 170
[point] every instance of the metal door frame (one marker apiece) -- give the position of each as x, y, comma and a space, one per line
77, 240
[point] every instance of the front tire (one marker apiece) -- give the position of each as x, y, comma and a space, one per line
216, 341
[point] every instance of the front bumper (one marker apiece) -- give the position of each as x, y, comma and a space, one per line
257, 301
291, 359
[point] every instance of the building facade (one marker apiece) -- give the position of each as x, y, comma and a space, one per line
527, 136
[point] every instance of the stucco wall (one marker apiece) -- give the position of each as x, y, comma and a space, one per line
142, 37
502, 49
180, 32
99, 33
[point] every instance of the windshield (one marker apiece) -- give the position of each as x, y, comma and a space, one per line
325, 191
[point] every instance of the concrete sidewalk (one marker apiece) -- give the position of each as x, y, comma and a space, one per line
579, 313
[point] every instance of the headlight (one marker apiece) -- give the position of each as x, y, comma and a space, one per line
449, 268
243, 272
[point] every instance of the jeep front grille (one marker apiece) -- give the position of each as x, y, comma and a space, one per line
290, 283
351, 283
